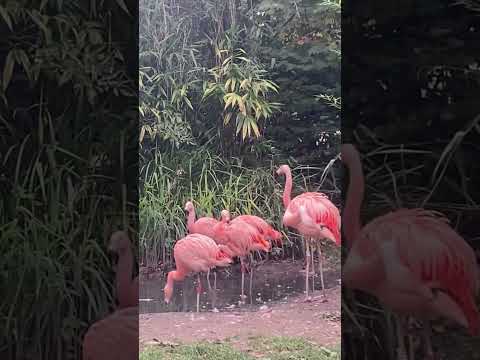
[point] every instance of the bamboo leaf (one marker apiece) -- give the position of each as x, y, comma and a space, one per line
8, 69
6, 17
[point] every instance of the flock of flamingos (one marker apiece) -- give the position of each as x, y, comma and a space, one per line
411, 260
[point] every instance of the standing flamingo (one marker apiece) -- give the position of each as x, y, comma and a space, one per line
204, 226
127, 289
241, 239
195, 253
116, 336
315, 217
265, 229
411, 260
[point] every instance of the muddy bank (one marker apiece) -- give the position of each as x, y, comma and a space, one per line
317, 321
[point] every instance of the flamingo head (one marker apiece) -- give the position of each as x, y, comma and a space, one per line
188, 206
283, 169
225, 215
261, 244
168, 292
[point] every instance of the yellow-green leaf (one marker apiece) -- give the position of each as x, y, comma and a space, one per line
255, 128
241, 106
8, 69
6, 17
227, 118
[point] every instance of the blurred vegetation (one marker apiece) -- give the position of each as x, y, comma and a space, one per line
65, 156
416, 124
229, 90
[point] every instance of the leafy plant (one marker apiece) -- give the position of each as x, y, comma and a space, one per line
240, 85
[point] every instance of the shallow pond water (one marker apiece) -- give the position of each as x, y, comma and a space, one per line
273, 281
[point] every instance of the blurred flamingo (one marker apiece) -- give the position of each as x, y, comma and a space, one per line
116, 336
411, 260
241, 239
315, 217
127, 289
195, 253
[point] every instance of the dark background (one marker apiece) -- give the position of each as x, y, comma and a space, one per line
410, 82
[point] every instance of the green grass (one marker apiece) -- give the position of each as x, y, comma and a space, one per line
213, 184
260, 348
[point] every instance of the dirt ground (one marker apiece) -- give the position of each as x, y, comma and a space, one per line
316, 321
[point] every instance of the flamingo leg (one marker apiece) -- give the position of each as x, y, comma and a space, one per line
208, 280
320, 268
401, 351
251, 278
312, 256
307, 270
242, 265
199, 290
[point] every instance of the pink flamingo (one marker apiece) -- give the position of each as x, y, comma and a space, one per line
116, 336
315, 217
127, 289
241, 239
411, 260
195, 253
265, 229
204, 226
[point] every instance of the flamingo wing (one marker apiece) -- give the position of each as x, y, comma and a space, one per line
264, 228
204, 226
428, 253
313, 214
195, 252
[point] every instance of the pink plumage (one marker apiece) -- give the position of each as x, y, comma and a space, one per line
410, 259
241, 238
116, 336
195, 253
264, 228
203, 225
314, 216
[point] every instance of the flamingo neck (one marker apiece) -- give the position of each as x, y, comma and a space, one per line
355, 191
288, 188
191, 218
124, 276
174, 275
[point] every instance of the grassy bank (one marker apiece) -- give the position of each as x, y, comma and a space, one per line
262, 348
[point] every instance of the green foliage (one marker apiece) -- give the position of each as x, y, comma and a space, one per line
169, 71
212, 183
241, 86
64, 72
266, 348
